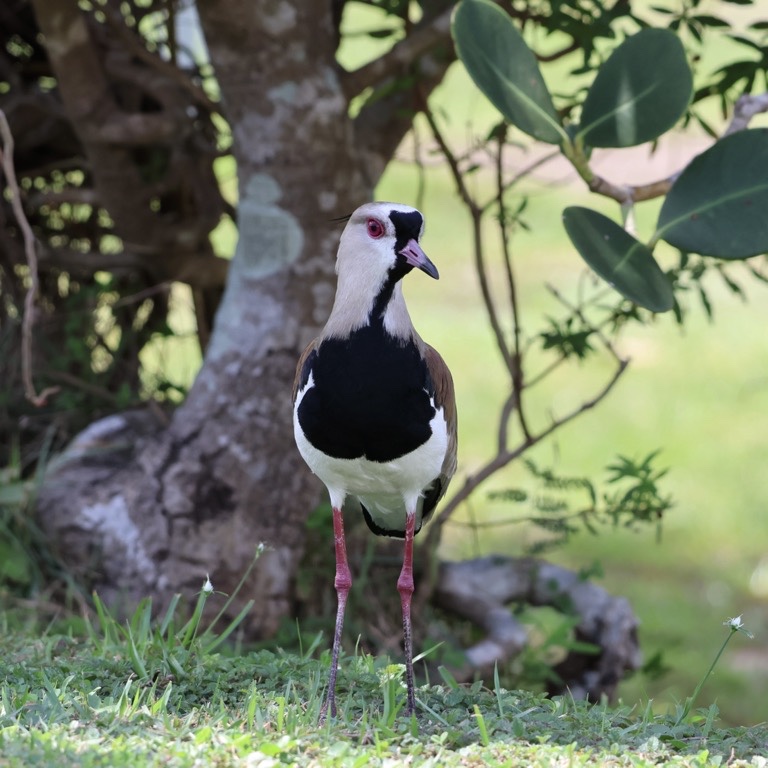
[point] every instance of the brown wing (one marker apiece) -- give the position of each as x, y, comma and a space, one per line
445, 398
302, 369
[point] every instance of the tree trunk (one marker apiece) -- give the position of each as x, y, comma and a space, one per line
150, 508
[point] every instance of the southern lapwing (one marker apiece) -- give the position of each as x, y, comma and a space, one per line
374, 410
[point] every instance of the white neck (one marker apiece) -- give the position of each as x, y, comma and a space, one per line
352, 308
397, 321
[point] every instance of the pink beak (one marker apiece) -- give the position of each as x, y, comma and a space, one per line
417, 258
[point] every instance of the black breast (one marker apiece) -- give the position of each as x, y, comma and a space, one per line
370, 397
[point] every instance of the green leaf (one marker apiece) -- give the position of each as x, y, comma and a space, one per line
505, 69
640, 92
717, 205
619, 258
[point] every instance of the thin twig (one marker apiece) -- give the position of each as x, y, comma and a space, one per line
476, 213
549, 369
418, 160
545, 58
523, 173
577, 311
453, 162
86, 386
505, 457
28, 320
516, 360
498, 523
147, 293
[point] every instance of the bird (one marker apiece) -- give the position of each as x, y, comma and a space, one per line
374, 409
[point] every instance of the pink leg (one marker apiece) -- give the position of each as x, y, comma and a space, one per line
343, 582
405, 588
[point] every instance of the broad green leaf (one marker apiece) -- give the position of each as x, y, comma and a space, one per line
619, 258
505, 69
640, 92
717, 206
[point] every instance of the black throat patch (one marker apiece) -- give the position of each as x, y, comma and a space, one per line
407, 227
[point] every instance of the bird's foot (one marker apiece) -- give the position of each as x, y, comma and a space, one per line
329, 705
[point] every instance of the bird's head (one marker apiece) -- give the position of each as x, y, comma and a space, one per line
381, 243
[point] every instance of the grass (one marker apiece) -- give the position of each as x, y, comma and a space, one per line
113, 697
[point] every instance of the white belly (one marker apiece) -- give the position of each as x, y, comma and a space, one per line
386, 489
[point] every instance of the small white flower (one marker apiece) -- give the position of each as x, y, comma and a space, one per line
207, 587
737, 625
734, 623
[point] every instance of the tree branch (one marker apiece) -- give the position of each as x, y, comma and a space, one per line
504, 457
425, 36
28, 321
631, 193
476, 214
747, 106
578, 312
512, 357
388, 116
135, 129
168, 69
516, 361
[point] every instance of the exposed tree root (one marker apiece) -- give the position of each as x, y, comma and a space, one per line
481, 589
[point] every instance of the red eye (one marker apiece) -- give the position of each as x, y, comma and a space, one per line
375, 228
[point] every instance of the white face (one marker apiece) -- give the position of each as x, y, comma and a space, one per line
368, 243
379, 245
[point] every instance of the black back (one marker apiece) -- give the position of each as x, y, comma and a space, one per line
371, 397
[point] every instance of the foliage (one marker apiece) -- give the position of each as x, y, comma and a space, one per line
495, 54
165, 648
105, 258
563, 506
106, 261
630, 103
710, 209
612, 100
618, 258
28, 564
14, 556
